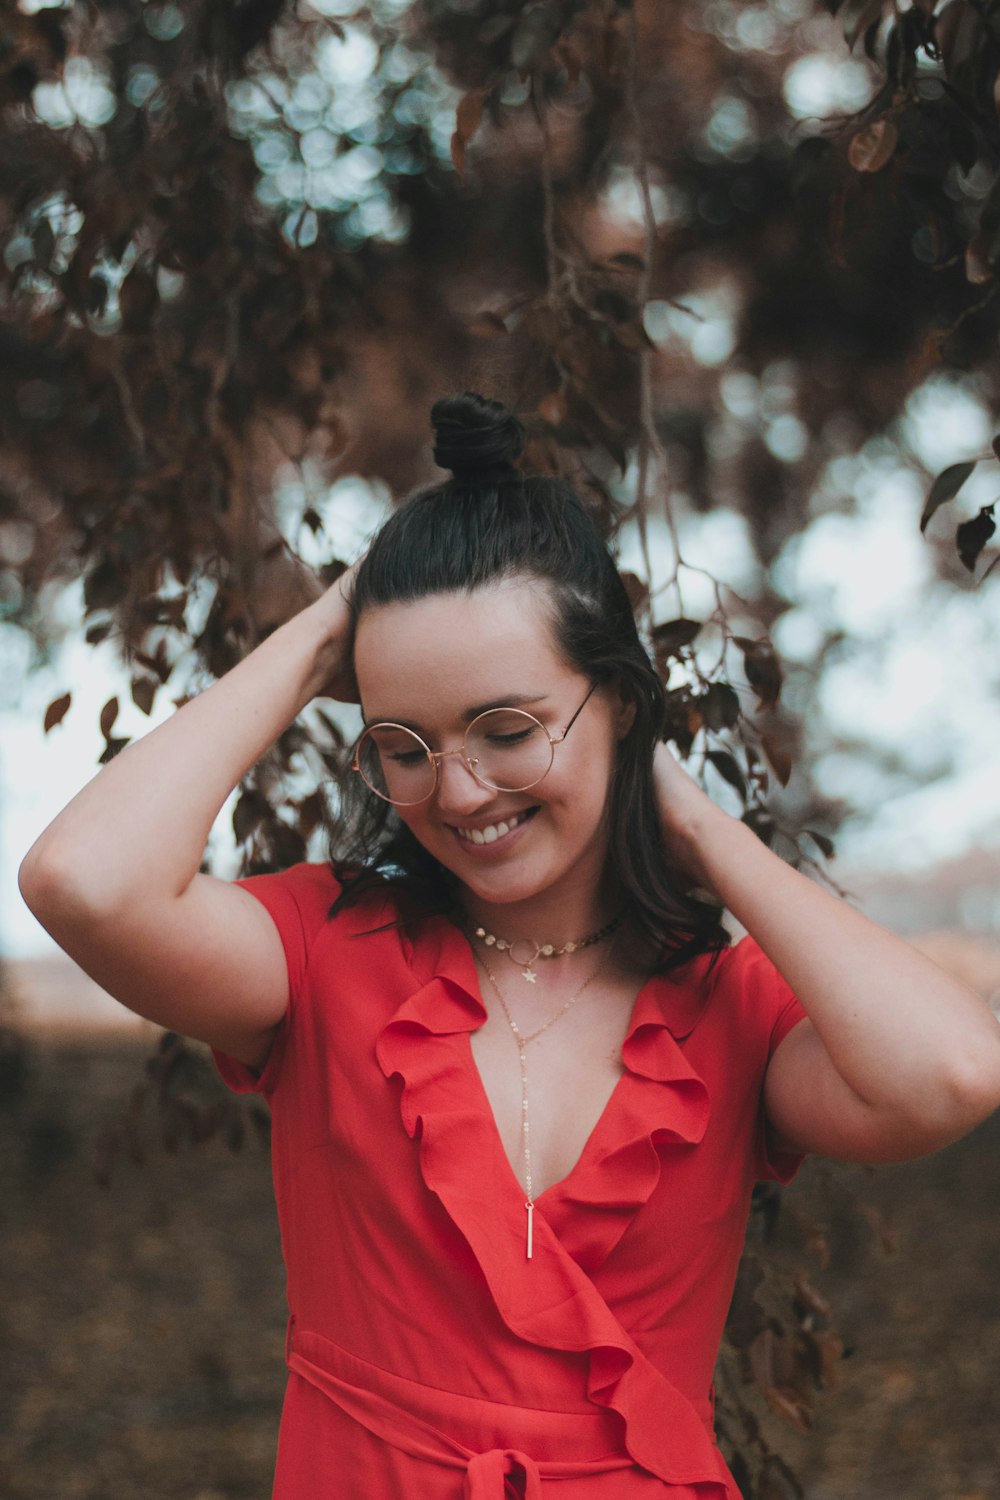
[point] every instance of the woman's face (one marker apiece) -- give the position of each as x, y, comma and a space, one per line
433, 664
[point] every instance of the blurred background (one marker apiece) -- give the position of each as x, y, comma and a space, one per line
736, 265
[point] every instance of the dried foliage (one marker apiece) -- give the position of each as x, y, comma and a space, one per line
240, 236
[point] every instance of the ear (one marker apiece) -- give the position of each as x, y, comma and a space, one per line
623, 710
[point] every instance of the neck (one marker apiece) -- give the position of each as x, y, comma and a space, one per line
551, 917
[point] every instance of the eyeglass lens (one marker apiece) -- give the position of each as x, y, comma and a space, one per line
507, 749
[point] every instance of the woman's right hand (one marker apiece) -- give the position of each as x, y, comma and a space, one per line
335, 664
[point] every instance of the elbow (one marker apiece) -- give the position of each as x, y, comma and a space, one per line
977, 1084
971, 1090
53, 888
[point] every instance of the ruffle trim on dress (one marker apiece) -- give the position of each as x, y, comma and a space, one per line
551, 1300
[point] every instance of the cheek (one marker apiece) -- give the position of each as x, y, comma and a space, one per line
585, 780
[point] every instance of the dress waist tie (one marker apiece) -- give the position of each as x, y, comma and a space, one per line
461, 1432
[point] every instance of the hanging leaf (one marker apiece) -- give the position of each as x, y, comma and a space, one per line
488, 325
536, 31
104, 587
720, 706
972, 536
672, 636
810, 1298
872, 147
144, 692
728, 768
56, 711
553, 408
637, 590
247, 814
311, 811
468, 116
859, 19
109, 714
138, 299
110, 750
763, 669
978, 269
945, 487
779, 758
762, 823
822, 842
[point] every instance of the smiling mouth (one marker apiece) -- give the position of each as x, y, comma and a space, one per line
494, 831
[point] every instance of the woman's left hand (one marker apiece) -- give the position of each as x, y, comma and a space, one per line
684, 809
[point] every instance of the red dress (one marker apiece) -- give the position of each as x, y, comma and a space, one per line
428, 1357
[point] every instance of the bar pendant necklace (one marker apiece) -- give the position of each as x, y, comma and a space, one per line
522, 1053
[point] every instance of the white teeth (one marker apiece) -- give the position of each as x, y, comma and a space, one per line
491, 834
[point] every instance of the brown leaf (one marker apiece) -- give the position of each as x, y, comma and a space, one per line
858, 18
824, 843
105, 586
138, 299
872, 147
488, 325
778, 757
468, 116
945, 487
763, 669
553, 408
637, 590
311, 810
790, 1405
110, 750
144, 692
810, 1297
729, 769
978, 269
56, 711
720, 706
672, 636
109, 714
247, 814
831, 1352
972, 536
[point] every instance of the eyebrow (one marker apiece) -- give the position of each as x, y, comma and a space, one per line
514, 700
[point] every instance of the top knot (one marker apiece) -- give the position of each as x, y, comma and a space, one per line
477, 439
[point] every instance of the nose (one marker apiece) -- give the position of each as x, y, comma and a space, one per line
458, 791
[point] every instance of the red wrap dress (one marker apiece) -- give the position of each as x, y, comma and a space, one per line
427, 1356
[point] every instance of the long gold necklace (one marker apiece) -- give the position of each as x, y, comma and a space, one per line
522, 1051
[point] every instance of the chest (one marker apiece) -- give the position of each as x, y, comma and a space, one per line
567, 1078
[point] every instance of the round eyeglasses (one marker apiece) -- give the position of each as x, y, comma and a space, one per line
506, 749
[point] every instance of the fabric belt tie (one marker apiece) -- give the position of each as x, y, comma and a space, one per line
461, 1432
485, 1476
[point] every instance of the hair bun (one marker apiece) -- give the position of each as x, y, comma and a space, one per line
477, 439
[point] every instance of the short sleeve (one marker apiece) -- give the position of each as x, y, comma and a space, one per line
777, 1010
297, 901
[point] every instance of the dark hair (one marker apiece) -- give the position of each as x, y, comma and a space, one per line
490, 522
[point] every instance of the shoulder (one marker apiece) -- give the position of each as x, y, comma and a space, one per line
744, 989
299, 901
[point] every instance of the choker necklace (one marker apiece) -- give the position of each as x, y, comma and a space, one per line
541, 950
522, 1044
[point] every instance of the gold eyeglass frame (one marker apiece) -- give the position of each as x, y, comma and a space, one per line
436, 756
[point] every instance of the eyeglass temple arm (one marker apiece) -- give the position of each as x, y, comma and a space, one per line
569, 726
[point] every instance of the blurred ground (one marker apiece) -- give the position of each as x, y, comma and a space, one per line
142, 1324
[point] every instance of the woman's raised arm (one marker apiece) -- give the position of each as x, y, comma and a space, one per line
114, 877
897, 1058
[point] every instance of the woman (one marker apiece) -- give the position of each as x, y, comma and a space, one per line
521, 1084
